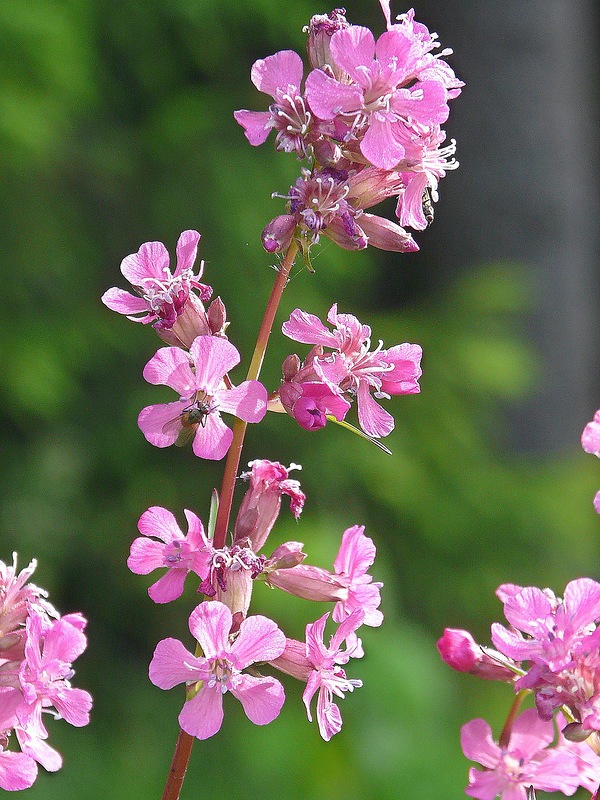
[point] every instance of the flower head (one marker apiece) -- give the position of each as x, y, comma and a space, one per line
178, 552
321, 667
204, 394
590, 441
353, 368
161, 295
220, 668
525, 761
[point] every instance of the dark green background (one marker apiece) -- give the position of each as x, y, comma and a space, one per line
116, 128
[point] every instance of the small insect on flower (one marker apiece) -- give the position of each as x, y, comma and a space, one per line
186, 423
429, 214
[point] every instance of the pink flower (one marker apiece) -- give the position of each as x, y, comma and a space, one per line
590, 441
220, 669
386, 96
356, 370
320, 667
332, 202
524, 762
355, 556
557, 630
161, 295
261, 504
279, 76
45, 674
177, 552
17, 770
199, 380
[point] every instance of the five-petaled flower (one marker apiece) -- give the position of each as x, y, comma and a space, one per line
220, 668
177, 552
198, 377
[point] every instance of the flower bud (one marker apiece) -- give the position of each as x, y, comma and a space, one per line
309, 583
320, 30
217, 317
278, 234
461, 652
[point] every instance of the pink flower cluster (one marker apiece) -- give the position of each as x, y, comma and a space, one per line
552, 649
37, 648
327, 380
368, 119
229, 639
197, 363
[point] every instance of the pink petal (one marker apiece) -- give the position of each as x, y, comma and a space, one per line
213, 440
386, 235
261, 698
410, 204
380, 145
486, 785
477, 743
187, 249
403, 378
145, 556
590, 438
150, 261
202, 716
170, 366
356, 553
278, 72
327, 97
172, 663
213, 358
425, 103
64, 642
39, 750
308, 329
530, 734
528, 609
124, 302
353, 50
582, 602
195, 535
373, 419
257, 125
17, 771
248, 401
169, 587
73, 705
329, 718
210, 623
392, 50
161, 523
259, 640
153, 419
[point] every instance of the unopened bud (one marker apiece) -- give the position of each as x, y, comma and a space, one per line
320, 30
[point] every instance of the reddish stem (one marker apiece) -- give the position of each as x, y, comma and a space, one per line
183, 748
514, 710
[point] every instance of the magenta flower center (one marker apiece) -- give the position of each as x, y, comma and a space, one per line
223, 675
319, 198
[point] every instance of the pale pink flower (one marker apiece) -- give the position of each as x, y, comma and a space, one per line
525, 761
556, 630
45, 674
178, 552
279, 76
199, 380
321, 668
590, 441
220, 668
160, 294
354, 368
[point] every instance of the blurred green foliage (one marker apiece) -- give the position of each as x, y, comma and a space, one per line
116, 128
